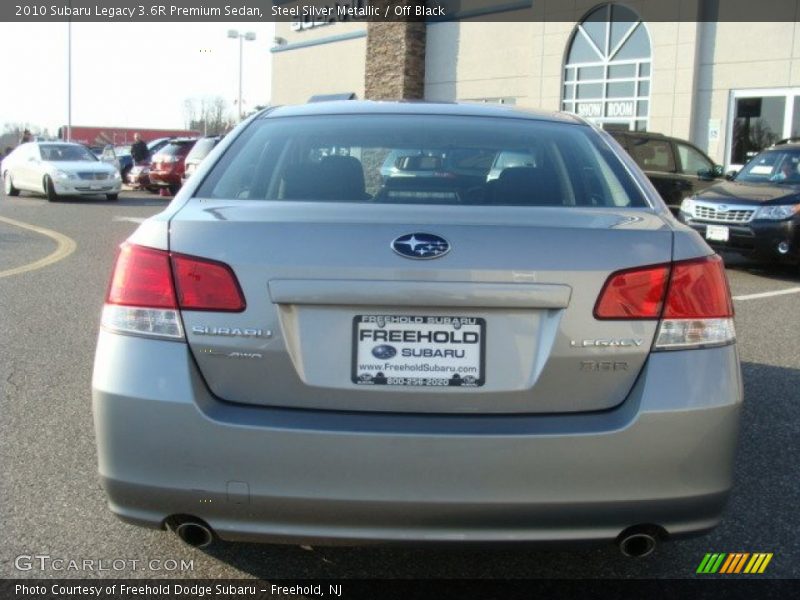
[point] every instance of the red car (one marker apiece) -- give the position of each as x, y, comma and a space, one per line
168, 164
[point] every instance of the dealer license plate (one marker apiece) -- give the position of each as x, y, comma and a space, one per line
717, 233
415, 350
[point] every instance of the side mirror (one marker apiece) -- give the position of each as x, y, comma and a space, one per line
713, 173
731, 174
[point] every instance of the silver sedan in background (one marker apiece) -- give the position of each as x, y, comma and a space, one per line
303, 349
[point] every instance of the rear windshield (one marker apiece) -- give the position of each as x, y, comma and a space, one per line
201, 149
176, 148
402, 159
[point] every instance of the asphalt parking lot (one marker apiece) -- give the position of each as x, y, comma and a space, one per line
54, 265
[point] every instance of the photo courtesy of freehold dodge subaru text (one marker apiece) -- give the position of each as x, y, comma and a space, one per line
418, 353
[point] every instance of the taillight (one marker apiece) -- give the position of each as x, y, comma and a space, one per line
206, 285
149, 286
698, 289
142, 277
633, 294
698, 310
691, 298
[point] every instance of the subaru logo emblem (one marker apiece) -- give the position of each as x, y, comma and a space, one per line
421, 246
722, 208
384, 352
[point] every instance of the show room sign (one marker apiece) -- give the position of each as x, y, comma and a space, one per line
593, 110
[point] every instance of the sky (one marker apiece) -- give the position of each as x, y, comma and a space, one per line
127, 74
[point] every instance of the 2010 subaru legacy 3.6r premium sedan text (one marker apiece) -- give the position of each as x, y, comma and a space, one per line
301, 348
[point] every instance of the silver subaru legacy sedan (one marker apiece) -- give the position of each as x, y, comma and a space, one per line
304, 349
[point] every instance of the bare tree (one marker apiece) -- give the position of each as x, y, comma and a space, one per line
12, 133
189, 112
208, 114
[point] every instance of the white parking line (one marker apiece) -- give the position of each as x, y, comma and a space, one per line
131, 219
794, 290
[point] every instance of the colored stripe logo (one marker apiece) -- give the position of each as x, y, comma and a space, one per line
734, 563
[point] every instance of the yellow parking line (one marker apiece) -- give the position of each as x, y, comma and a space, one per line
66, 246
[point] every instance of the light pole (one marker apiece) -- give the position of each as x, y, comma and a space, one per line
69, 76
242, 37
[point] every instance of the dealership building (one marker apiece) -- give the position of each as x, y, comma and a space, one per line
693, 69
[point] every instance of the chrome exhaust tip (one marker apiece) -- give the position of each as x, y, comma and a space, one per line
639, 541
195, 534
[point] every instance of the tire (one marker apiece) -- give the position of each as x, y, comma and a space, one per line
173, 189
8, 186
153, 190
112, 197
50, 190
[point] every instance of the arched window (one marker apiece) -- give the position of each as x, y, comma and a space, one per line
607, 68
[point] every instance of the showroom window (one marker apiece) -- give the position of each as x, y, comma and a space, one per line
759, 118
607, 69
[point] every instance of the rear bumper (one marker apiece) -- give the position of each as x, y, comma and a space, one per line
139, 178
164, 178
167, 447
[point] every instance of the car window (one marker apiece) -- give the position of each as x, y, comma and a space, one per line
652, 155
65, 152
399, 159
156, 145
692, 160
505, 160
201, 149
778, 166
175, 148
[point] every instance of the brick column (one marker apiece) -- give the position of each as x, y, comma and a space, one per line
395, 68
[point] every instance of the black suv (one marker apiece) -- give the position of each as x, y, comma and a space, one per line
757, 213
676, 168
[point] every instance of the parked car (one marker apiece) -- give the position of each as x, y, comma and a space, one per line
198, 153
677, 168
139, 175
757, 213
123, 154
119, 156
58, 169
296, 351
167, 166
456, 172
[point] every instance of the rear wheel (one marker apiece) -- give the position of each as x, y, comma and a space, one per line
173, 189
50, 190
8, 186
112, 197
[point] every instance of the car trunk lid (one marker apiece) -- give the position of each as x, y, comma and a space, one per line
316, 276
